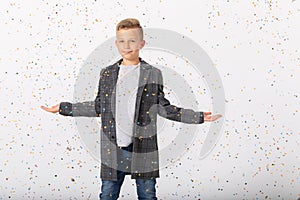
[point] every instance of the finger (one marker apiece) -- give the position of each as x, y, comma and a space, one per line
207, 113
216, 117
212, 118
46, 108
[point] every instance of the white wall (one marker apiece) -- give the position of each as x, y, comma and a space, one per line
254, 47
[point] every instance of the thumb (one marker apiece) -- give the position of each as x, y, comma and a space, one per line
207, 113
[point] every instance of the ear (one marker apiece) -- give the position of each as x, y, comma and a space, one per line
116, 42
143, 42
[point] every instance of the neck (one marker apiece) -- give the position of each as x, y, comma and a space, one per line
130, 62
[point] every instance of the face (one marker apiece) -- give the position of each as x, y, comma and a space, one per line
129, 43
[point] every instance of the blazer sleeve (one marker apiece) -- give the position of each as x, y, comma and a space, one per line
172, 112
85, 109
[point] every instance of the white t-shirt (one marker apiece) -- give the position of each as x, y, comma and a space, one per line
126, 91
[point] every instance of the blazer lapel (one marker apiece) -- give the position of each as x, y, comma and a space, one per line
143, 81
112, 83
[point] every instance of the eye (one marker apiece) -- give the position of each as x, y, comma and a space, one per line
132, 40
120, 41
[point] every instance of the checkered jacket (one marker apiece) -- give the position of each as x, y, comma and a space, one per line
150, 101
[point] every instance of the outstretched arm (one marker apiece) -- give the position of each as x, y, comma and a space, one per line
86, 109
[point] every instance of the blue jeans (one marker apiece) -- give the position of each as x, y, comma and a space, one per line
110, 190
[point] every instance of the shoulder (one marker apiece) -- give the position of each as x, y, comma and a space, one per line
148, 66
108, 69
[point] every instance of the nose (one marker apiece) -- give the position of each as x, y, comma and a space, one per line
126, 45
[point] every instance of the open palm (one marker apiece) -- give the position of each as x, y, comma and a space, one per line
210, 118
53, 109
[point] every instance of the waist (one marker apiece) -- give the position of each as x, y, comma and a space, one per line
126, 148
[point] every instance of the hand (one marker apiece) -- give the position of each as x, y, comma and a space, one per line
210, 118
53, 109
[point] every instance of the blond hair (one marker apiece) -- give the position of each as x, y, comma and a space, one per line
130, 23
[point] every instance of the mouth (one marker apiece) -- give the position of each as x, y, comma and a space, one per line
127, 52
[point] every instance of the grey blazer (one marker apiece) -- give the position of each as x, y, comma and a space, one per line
150, 101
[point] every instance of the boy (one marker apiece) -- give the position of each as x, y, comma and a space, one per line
129, 143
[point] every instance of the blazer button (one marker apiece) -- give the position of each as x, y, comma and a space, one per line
112, 137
